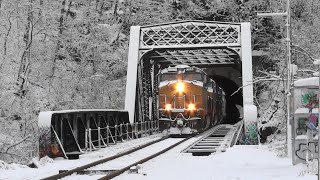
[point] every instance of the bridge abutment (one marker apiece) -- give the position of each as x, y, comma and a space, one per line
249, 109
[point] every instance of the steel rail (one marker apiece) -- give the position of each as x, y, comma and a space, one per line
218, 138
69, 172
205, 134
120, 171
240, 129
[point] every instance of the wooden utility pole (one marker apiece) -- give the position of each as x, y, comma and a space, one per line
289, 73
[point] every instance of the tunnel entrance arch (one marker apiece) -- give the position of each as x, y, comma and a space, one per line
221, 49
234, 98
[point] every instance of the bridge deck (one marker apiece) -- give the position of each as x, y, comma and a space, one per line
217, 140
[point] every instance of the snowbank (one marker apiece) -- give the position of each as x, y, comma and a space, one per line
250, 113
13, 166
313, 81
44, 119
302, 111
238, 163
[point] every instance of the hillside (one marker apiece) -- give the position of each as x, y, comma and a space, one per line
69, 54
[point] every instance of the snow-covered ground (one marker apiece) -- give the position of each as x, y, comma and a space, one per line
238, 163
9, 172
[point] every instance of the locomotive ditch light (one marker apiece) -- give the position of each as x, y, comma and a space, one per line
168, 107
191, 107
180, 87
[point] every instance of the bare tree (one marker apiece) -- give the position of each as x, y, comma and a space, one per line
25, 61
8, 31
63, 16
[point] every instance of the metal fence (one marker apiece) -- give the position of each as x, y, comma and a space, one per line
72, 132
118, 133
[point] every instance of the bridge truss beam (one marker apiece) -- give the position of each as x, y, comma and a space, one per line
197, 43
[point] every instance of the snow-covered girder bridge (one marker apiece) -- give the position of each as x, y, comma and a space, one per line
223, 50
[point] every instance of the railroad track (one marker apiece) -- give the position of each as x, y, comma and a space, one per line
103, 170
217, 140
113, 173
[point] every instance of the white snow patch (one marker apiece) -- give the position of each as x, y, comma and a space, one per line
311, 168
316, 62
13, 166
302, 111
250, 113
45, 160
302, 137
44, 118
306, 111
175, 130
313, 81
315, 74
181, 66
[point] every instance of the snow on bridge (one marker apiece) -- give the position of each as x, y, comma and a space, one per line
223, 50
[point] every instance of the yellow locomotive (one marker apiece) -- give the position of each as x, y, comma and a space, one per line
189, 102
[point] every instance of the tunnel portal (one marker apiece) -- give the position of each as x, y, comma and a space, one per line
233, 98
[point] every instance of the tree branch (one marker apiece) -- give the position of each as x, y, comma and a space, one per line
35, 84
13, 154
17, 143
305, 52
270, 79
269, 74
8, 32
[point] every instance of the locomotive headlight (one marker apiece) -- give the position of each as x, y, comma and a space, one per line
168, 107
191, 107
180, 87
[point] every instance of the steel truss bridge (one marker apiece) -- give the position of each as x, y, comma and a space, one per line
222, 49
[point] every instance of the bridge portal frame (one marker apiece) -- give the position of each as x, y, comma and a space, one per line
141, 42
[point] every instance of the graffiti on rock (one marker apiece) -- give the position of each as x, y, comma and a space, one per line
310, 100
303, 148
250, 135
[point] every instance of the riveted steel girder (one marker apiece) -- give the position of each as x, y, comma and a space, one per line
203, 44
189, 34
221, 56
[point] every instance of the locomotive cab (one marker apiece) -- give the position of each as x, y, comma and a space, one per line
186, 100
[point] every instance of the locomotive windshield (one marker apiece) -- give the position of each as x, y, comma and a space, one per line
168, 77
192, 76
185, 76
